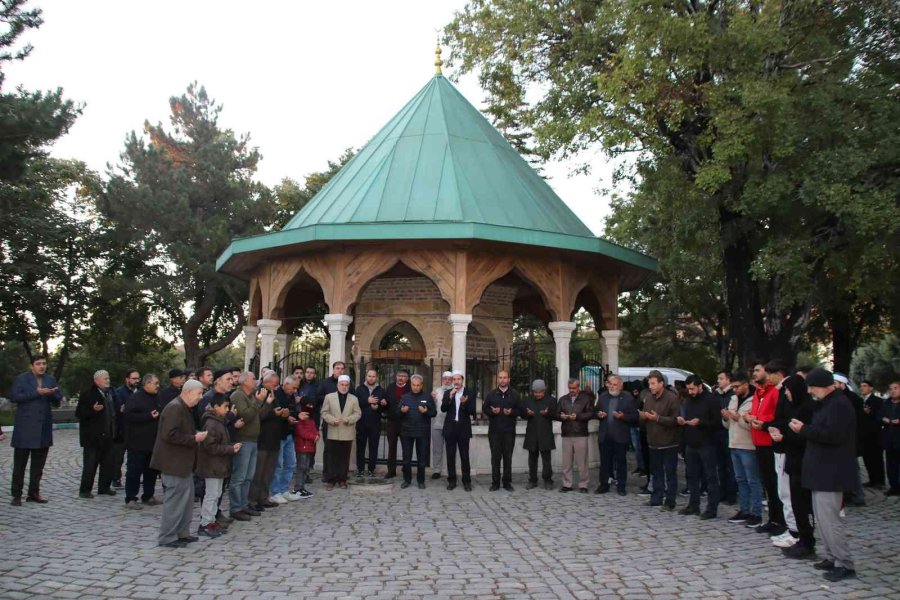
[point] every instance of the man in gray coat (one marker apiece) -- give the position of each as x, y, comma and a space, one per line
617, 412
34, 393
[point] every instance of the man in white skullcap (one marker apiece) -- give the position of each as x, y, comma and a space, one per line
437, 426
458, 405
340, 411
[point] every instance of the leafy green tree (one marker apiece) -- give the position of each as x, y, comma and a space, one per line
762, 135
178, 197
290, 196
878, 361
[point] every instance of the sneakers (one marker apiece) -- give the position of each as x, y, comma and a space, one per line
292, 496
771, 528
785, 540
210, 531
133, 505
152, 501
839, 573
753, 521
799, 551
824, 565
305, 494
278, 499
739, 517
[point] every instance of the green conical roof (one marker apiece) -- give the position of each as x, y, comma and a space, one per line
437, 170
439, 160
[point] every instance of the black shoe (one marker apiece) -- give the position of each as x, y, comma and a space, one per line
494, 487
839, 573
435, 475
739, 517
652, 503
252, 511
548, 485
645, 492
255, 508
707, 515
893, 492
117, 484
669, 507
451, 485
583, 490
622, 493
421, 486
508, 487
241, 515
799, 551
109, 492
85, 495
602, 489
189, 539
531, 485
770, 527
565, 489
467, 487
753, 521
175, 544
688, 510
16, 501
405, 485
824, 565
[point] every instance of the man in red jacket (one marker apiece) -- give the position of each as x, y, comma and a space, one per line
764, 401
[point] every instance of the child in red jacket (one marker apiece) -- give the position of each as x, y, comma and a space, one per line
305, 437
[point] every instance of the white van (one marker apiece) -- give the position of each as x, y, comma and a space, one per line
590, 375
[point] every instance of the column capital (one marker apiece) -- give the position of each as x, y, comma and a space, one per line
268, 326
251, 330
562, 329
460, 322
337, 321
612, 336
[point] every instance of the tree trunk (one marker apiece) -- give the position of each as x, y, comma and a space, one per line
842, 339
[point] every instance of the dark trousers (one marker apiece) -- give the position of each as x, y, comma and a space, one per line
338, 462
893, 467
20, 460
546, 465
118, 460
801, 504
613, 457
408, 443
266, 461
100, 455
392, 428
766, 459
700, 463
454, 443
137, 469
873, 458
367, 437
727, 482
502, 445
664, 475
645, 449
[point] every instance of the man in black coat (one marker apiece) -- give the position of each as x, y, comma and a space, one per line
121, 394
177, 377
873, 453
394, 393
890, 438
829, 468
539, 411
700, 419
416, 409
368, 428
502, 407
856, 496
142, 410
459, 404
96, 430
617, 411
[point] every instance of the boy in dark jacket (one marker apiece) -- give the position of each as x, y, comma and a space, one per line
214, 462
415, 411
306, 435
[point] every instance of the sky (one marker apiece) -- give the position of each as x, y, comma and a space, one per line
305, 79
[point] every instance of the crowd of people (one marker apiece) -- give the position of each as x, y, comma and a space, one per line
772, 440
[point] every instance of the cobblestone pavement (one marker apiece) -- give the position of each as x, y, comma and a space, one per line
382, 542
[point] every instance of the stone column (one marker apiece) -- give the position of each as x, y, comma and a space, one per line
337, 324
268, 328
611, 339
459, 323
562, 335
251, 333
284, 341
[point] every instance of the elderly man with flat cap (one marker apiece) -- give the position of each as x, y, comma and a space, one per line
829, 468
177, 377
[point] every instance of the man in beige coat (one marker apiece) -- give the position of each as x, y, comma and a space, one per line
341, 411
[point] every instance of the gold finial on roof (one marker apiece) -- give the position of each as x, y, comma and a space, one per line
437, 58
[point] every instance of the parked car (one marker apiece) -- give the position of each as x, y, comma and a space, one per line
590, 375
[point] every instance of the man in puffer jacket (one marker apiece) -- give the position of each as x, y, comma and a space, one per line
415, 411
